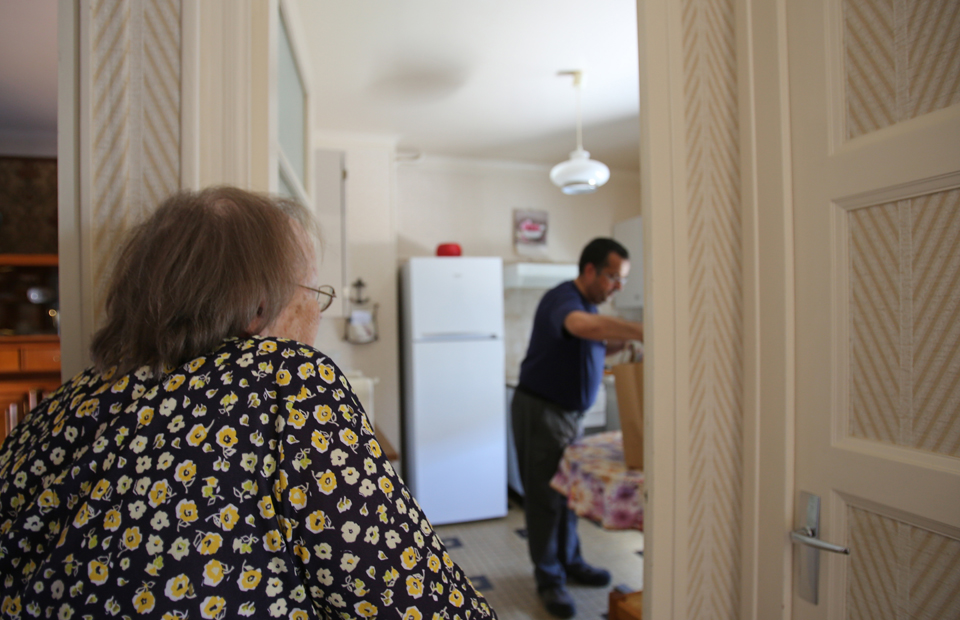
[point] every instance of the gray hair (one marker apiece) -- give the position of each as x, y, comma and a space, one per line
203, 267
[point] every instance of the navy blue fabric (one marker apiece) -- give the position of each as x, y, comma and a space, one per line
560, 367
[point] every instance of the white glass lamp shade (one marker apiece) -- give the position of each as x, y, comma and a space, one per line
579, 174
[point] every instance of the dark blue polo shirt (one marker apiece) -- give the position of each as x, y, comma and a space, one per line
560, 367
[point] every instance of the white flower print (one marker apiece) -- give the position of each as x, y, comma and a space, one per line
338, 457
279, 607
56, 590
350, 531
325, 577
137, 509
167, 405
70, 435
166, 460
159, 521
274, 586
56, 456
373, 535
298, 594
108, 461
100, 445
367, 487
123, 485
323, 551
38, 468
155, 545
277, 565
139, 444
336, 600
143, 485
176, 424
348, 562
249, 462
392, 539
180, 548
351, 475
34, 524
143, 463
369, 466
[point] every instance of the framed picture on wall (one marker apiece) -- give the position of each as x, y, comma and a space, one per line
530, 232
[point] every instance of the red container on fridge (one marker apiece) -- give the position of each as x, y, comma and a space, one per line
448, 249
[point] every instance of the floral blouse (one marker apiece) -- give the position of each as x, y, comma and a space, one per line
247, 482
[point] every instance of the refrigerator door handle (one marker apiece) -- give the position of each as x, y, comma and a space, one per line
445, 336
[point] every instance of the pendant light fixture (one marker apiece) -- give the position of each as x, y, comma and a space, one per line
579, 174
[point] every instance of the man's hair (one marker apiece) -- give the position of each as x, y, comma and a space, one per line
598, 251
200, 269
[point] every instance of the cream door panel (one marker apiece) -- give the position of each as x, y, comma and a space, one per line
875, 128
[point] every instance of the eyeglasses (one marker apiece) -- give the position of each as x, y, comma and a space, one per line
325, 295
614, 278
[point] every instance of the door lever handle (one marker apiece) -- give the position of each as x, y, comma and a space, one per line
808, 534
805, 536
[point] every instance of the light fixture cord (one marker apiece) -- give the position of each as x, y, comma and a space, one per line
576, 87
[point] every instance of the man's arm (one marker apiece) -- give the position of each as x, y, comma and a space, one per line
602, 327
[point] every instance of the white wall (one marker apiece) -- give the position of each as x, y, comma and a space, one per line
371, 252
471, 202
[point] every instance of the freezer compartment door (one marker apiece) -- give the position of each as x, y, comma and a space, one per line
458, 297
456, 431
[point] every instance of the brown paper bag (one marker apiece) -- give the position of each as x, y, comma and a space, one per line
629, 382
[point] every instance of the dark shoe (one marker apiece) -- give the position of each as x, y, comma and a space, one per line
558, 601
588, 575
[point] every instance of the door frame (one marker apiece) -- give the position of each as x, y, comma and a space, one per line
769, 309
663, 178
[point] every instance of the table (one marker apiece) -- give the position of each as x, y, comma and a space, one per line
597, 483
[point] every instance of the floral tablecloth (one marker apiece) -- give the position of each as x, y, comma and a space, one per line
597, 483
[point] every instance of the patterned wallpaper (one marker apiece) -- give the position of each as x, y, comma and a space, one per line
905, 323
898, 570
28, 202
135, 141
902, 60
716, 315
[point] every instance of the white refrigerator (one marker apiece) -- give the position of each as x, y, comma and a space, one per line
455, 421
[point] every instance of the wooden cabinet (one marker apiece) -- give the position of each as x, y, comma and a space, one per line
29, 345
29, 369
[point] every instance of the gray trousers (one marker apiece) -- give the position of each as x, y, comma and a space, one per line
541, 431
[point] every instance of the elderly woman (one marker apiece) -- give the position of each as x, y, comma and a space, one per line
211, 464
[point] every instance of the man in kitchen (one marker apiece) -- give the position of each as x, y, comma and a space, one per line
559, 380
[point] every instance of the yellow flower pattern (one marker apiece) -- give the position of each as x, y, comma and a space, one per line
244, 483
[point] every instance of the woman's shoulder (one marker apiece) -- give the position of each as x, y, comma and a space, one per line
285, 359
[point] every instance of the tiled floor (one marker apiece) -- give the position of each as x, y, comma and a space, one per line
493, 553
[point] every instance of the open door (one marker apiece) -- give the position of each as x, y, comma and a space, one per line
872, 162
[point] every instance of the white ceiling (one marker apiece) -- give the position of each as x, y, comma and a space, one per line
474, 79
